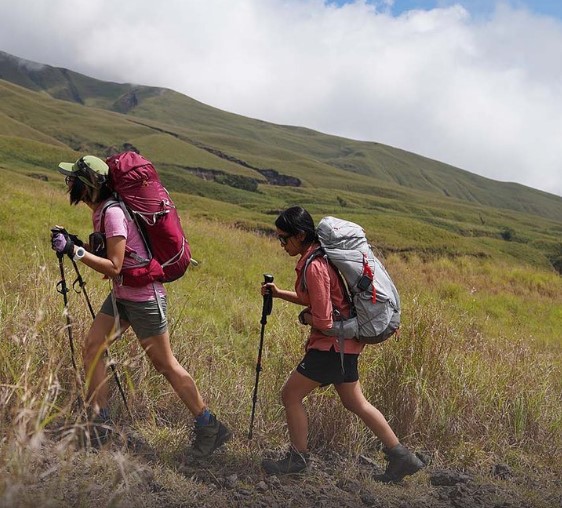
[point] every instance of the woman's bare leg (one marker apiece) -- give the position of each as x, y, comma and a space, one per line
160, 354
353, 399
296, 388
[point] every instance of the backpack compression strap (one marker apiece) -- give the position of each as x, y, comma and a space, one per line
369, 273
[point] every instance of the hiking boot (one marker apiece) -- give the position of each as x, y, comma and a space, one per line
100, 430
401, 462
209, 437
294, 462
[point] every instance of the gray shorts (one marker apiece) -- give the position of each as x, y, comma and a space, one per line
145, 318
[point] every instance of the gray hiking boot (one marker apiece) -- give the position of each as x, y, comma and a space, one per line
401, 462
294, 462
208, 438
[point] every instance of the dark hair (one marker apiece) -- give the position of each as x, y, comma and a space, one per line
96, 193
295, 220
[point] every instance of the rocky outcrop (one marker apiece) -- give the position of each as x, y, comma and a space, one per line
272, 176
275, 178
215, 175
126, 102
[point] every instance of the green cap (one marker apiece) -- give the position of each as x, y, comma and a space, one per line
83, 166
88, 162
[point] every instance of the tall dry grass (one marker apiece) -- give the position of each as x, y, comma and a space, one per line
475, 377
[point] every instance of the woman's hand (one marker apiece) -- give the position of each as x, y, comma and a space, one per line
269, 288
60, 242
289, 296
305, 317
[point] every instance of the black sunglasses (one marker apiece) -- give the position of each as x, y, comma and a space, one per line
284, 239
82, 166
84, 170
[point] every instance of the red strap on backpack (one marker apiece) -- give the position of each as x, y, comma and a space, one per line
369, 273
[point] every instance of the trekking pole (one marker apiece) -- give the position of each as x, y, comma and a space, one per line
62, 288
82, 284
266, 311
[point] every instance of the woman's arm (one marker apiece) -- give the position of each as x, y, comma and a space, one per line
110, 266
318, 282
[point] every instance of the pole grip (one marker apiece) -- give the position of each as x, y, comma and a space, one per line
267, 298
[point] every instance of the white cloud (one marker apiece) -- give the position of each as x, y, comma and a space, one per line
483, 94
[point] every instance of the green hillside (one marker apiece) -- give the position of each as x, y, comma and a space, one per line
295, 151
243, 171
473, 383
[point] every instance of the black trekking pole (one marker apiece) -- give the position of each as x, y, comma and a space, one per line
82, 289
266, 311
62, 288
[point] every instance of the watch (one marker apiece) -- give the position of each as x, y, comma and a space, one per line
79, 254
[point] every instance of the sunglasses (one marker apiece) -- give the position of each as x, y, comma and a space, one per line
82, 174
284, 239
82, 166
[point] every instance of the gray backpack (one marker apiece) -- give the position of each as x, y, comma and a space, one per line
373, 296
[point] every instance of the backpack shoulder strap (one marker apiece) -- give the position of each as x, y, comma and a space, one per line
115, 200
318, 252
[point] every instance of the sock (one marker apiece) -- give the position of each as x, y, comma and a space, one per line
104, 413
203, 419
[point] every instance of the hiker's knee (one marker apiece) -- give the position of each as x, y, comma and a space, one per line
168, 367
355, 403
352, 405
290, 397
162, 367
94, 346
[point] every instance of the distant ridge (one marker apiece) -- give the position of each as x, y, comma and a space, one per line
294, 153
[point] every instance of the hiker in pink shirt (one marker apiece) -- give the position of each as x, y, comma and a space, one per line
142, 306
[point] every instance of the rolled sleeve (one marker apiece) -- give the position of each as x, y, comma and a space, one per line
318, 280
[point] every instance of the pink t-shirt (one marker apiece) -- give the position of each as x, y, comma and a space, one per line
324, 293
117, 224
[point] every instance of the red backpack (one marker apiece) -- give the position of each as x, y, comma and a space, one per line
137, 184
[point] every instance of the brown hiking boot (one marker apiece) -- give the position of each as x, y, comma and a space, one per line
401, 462
208, 438
294, 462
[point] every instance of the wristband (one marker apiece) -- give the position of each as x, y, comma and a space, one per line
79, 254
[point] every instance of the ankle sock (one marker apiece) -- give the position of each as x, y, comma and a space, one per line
203, 419
104, 413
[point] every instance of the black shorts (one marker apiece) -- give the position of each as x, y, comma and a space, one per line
324, 367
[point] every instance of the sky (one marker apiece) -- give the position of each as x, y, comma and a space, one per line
476, 84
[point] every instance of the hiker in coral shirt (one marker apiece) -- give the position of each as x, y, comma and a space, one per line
324, 297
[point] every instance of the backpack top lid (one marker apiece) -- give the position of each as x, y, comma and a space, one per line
347, 247
126, 160
335, 233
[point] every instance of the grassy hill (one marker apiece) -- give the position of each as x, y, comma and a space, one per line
317, 159
474, 381
249, 170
